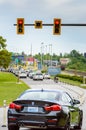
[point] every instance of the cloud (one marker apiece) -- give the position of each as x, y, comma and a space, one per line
68, 10
55, 3
14, 3
64, 7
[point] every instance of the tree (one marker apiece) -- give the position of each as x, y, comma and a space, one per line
75, 53
2, 43
5, 56
78, 61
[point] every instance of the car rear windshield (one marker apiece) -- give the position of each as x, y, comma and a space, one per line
39, 96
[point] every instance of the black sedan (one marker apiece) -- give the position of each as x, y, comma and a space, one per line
44, 109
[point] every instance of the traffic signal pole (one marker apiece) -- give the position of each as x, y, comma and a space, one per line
68, 24
38, 25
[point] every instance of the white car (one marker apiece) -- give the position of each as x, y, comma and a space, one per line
22, 74
31, 74
38, 76
46, 76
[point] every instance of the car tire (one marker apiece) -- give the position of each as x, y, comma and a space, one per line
80, 122
13, 128
67, 127
79, 126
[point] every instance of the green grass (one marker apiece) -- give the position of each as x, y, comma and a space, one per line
75, 83
10, 89
72, 82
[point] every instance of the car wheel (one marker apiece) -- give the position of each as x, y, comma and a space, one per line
80, 123
13, 128
67, 127
79, 126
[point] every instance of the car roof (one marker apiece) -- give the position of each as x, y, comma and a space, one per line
45, 90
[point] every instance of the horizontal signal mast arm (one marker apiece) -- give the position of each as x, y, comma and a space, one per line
53, 24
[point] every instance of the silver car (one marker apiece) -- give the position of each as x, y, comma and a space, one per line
22, 74
46, 76
38, 76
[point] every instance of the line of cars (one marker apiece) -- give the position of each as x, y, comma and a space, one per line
39, 76
21, 73
35, 75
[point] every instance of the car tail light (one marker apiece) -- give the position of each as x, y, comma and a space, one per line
15, 106
12, 118
52, 120
53, 108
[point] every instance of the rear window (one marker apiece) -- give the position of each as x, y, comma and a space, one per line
38, 74
40, 96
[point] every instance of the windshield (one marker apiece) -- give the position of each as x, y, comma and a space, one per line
39, 96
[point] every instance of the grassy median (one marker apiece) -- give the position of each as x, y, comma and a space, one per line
10, 88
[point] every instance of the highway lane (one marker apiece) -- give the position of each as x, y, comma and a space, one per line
73, 90
49, 83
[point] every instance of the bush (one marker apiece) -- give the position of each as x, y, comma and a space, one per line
74, 78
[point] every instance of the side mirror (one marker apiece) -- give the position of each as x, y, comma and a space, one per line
76, 101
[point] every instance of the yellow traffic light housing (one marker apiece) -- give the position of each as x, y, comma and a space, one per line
38, 24
20, 25
57, 26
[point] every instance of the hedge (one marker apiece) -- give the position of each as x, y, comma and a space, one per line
74, 78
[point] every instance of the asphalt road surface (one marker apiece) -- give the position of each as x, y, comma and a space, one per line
75, 92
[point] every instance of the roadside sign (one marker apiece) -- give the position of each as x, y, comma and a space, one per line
54, 70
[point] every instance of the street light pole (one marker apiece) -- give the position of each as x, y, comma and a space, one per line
41, 57
46, 54
49, 55
50, 52
41, 54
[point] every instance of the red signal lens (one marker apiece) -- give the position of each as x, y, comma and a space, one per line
20, 21
53, 108
57, 22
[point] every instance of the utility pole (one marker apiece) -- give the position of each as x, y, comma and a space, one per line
42, 55
31, 49
46, 54
50, 52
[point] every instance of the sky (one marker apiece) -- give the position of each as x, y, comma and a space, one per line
36, 40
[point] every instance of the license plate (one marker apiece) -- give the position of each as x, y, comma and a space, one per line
32, 109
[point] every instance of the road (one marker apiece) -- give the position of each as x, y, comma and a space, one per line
74, 91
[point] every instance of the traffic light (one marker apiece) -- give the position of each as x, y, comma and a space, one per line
38, 24
57, 26
20, 25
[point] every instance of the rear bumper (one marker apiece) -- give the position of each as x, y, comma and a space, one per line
35, 124
51, 120
42, 124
